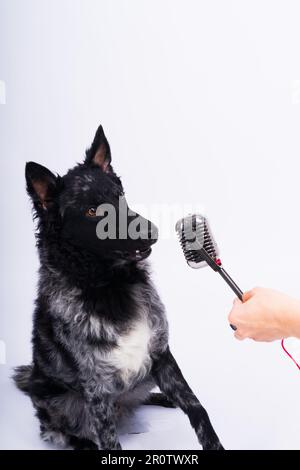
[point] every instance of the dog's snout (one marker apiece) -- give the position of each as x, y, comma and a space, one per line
150, 234
153, 233
148, 231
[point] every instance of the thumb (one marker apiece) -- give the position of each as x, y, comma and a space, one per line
247, 295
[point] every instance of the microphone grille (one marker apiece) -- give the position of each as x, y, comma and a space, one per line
195, 236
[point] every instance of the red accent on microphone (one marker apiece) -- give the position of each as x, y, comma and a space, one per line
290, 356
218, 262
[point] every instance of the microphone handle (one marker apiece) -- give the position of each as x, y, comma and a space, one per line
233, 286
231, 283
216, 267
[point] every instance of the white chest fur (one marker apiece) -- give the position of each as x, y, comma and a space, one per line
131, 355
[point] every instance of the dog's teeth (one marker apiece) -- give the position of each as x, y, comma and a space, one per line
137, 252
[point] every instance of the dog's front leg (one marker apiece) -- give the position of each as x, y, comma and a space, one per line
170, 380
103, 416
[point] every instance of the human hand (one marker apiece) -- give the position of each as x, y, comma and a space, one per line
265, 315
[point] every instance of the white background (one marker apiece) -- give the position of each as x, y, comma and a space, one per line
201, 104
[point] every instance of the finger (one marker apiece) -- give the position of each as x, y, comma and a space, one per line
234, 313
247, 295
238, 336
235, 307
230, 318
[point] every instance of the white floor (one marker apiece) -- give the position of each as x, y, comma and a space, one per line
150, 428
160, 428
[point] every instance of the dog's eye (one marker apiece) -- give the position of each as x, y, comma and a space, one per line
91, 212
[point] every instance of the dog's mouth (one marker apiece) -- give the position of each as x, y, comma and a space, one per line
137, 255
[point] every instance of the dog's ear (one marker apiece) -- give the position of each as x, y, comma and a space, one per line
42, 185
99, 152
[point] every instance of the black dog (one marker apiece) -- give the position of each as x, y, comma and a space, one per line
100, 336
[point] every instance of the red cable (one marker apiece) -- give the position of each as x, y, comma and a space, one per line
290, 356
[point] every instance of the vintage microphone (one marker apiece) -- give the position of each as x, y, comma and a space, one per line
200, 248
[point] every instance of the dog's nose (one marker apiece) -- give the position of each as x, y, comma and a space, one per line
150, 234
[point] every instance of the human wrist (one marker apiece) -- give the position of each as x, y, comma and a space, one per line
291, 319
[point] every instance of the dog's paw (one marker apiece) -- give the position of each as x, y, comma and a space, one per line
213, 446
54, 437
82, 444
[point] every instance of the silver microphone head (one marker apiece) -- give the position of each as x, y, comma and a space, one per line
195, 237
